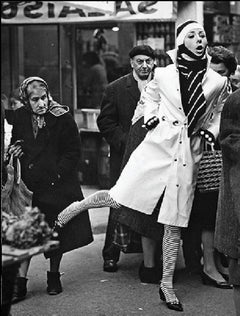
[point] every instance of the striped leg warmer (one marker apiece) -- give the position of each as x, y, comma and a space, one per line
95, 200
171, 243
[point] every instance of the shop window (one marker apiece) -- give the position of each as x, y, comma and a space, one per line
160, 36
5, 63
40, 55
97, 63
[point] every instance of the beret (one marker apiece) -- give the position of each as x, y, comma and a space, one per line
142, 50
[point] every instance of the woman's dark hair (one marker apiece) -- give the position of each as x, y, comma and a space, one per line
221, 54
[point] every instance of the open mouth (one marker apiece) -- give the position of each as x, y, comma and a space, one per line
199, 49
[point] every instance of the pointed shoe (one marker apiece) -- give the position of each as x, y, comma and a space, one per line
176, 306
207, 280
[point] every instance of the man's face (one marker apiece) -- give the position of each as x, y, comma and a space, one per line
220, 68
142, 65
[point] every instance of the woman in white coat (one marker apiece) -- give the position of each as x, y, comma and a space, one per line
182, 106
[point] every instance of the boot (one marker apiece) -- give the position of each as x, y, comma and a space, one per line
54, 284
149, 275
19, 290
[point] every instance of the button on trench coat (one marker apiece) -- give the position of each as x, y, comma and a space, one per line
167, 160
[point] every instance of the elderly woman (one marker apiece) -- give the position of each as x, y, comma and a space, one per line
182, 106
45, 137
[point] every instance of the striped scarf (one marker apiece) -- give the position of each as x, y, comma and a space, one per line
193, 99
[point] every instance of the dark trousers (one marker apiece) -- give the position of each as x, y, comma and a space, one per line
111, 251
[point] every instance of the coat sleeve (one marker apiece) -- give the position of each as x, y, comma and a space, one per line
230, 128
230, 143
108, 120
218, 106
150, 98
70, 147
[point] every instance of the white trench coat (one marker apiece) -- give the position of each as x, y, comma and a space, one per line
167, 159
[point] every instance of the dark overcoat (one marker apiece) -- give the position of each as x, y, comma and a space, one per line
118, 104
227, 233
50, 169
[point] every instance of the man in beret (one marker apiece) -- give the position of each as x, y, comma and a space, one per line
117, 108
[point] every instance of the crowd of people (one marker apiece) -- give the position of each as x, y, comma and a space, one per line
157, 121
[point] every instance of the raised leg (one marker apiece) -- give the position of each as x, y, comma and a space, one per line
95, 200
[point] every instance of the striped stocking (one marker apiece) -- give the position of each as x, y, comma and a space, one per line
95, 200
171, 243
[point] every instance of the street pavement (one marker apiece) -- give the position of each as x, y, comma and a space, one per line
88, 291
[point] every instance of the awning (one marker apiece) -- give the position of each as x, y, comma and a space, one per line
47, 12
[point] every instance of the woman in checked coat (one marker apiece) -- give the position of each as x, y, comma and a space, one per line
182, 108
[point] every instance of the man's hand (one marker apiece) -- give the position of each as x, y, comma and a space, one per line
151, 123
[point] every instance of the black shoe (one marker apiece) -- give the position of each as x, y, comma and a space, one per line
207, 280
54, 284
149, 275
110, 266
19, 290
176, 306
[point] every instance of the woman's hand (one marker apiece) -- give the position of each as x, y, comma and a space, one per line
16, 149
151, 123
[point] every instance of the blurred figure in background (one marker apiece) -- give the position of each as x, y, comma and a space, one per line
95, 79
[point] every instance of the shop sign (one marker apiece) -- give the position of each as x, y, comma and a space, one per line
23, 12
145, 10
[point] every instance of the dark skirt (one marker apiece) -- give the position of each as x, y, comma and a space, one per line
204, 209
77, 233
134, 223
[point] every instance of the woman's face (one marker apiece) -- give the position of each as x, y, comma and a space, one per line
38, 100
196, 41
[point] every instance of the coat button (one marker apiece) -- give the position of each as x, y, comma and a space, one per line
30, 166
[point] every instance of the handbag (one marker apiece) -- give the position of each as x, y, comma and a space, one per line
15, 195
210, 168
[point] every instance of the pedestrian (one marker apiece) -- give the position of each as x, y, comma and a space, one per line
49, 153
117, 107
95, 79
183, 105
223, 62
203, 216
227, 233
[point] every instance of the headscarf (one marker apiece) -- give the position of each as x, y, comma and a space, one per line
33, 84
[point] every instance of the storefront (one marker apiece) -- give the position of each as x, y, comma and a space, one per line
78, 47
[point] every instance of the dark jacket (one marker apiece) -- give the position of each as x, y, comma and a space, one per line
227, 233
117, 108
50, 169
